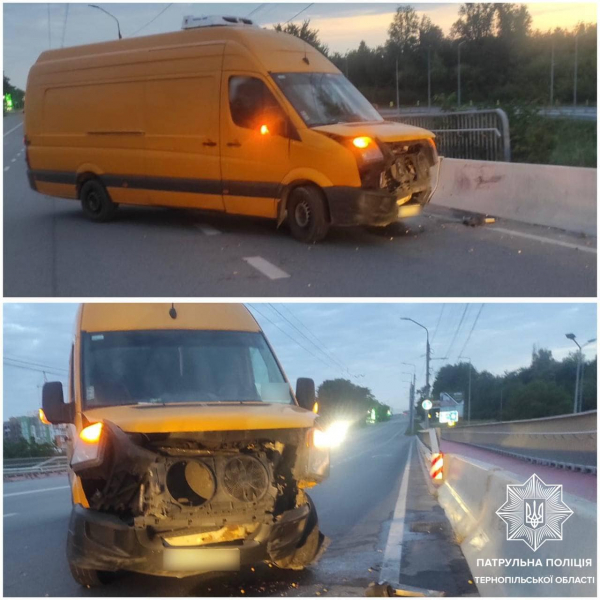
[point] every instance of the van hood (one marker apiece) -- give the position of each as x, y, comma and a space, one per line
180, 418
386, 131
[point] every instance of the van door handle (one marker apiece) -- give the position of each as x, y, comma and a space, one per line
209, 143
234, 144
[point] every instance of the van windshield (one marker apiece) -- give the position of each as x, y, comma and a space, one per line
325, 98
168, 367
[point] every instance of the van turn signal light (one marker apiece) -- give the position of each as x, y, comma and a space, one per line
43, 418
264, 130
361, 142
91, 434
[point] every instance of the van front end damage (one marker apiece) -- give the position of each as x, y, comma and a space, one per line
395, 186
180, 504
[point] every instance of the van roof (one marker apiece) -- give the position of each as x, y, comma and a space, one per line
276, 51
150, 316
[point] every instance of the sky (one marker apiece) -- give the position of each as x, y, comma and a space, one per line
366, 343
29, 28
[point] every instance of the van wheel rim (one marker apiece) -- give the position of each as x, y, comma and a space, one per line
94, 202
302, 214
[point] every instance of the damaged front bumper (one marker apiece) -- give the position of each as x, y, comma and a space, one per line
104, 542
351, 206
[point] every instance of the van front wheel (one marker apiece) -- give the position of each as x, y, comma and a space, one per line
306, 215
89, 578
96, 202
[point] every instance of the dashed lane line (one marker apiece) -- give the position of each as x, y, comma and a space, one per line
60, 487
14, 128
10, 515
266, 268
207, 229
6, 168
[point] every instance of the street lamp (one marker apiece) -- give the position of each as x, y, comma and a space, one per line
427, 353
459, 45
412, 393
113, 16
470, 369
578, 398
575, 74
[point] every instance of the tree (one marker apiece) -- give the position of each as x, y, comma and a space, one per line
342, 399
304, 32
476, 21
403, 33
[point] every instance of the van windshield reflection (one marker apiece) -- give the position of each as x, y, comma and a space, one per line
157, 368
325, 98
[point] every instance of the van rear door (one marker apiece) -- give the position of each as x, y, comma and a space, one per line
255, 155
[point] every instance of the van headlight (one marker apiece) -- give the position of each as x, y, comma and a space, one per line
367, 149
90, 448
317, 467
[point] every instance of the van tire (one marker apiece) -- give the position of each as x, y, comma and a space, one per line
307, 215
88, 578
96, 203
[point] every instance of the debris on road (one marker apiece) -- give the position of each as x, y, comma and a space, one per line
476, 220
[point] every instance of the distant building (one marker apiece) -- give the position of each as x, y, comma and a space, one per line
31, 429
449, 402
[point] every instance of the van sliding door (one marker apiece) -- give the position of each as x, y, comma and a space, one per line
182, 141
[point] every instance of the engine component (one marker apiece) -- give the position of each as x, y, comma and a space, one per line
191, 483
245, 478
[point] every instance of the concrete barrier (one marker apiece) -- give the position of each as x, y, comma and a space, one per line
566, 440
562, 197
470, 496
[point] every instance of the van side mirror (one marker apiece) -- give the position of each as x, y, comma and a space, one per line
305, 392
53, 403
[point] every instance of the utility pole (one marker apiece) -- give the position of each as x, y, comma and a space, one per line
501, 398
429, 77
552, 76
458, 98
397, 88
575, 74
469, 393
427, 353
411, 410
111, 16
578, 396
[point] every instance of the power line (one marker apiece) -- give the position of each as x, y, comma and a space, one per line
62, 44
320, 345
457, 330
34, 363
305, 8
38, 369
338, 366
255, 10
152, 20
438, 323
471, 332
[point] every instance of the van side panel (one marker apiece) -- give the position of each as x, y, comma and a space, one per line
182, 141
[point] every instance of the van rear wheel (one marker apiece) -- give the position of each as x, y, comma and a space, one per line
96, 202
306, 214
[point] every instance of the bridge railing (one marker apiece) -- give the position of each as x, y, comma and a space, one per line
468, 134
566, 441
20, 468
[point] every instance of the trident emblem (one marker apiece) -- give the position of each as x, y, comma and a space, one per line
534, 513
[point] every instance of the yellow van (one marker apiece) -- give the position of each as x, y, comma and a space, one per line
221, 116
188, 450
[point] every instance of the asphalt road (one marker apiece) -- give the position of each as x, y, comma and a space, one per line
50, 249
355, 507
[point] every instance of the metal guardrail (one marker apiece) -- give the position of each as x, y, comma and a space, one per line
56, 464
565, 441
468, 134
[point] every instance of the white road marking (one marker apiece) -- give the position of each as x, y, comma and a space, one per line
61, 487
13, 160
14, 129
10, 515
545, 240
345, 460
265, 267
6, 168
390, 568
207, 229
529, 236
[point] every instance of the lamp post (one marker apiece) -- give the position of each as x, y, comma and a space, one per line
552, 76
112, 16
458, 98
575, 73
429, 77
427, 352
411, 408
578, 397
469, 394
